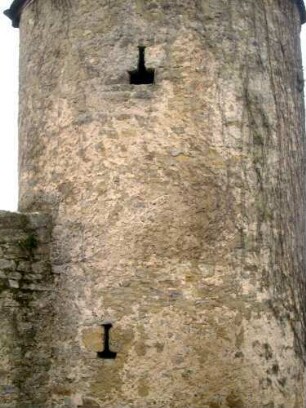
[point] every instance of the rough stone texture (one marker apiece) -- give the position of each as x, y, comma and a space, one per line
178, 207
25, 307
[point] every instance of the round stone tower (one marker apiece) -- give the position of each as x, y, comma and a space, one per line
166, 140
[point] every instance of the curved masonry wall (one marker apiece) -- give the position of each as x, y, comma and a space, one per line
26, 287
178, 208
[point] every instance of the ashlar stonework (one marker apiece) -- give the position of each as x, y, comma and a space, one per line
176, 236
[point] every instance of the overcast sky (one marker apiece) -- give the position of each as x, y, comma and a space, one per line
9, 106
8, 111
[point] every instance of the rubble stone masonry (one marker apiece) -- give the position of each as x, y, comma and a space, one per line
26, 287
177, 244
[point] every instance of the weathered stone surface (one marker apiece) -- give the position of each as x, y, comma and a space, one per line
26, 313
178, 208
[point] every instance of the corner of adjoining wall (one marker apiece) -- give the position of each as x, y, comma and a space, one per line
26, 287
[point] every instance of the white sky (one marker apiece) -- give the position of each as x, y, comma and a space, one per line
8, 111
9, 107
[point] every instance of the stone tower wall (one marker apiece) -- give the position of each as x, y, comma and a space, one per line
178, 207
26, 309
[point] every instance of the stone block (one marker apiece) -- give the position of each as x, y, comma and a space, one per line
14, 284
7, 264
